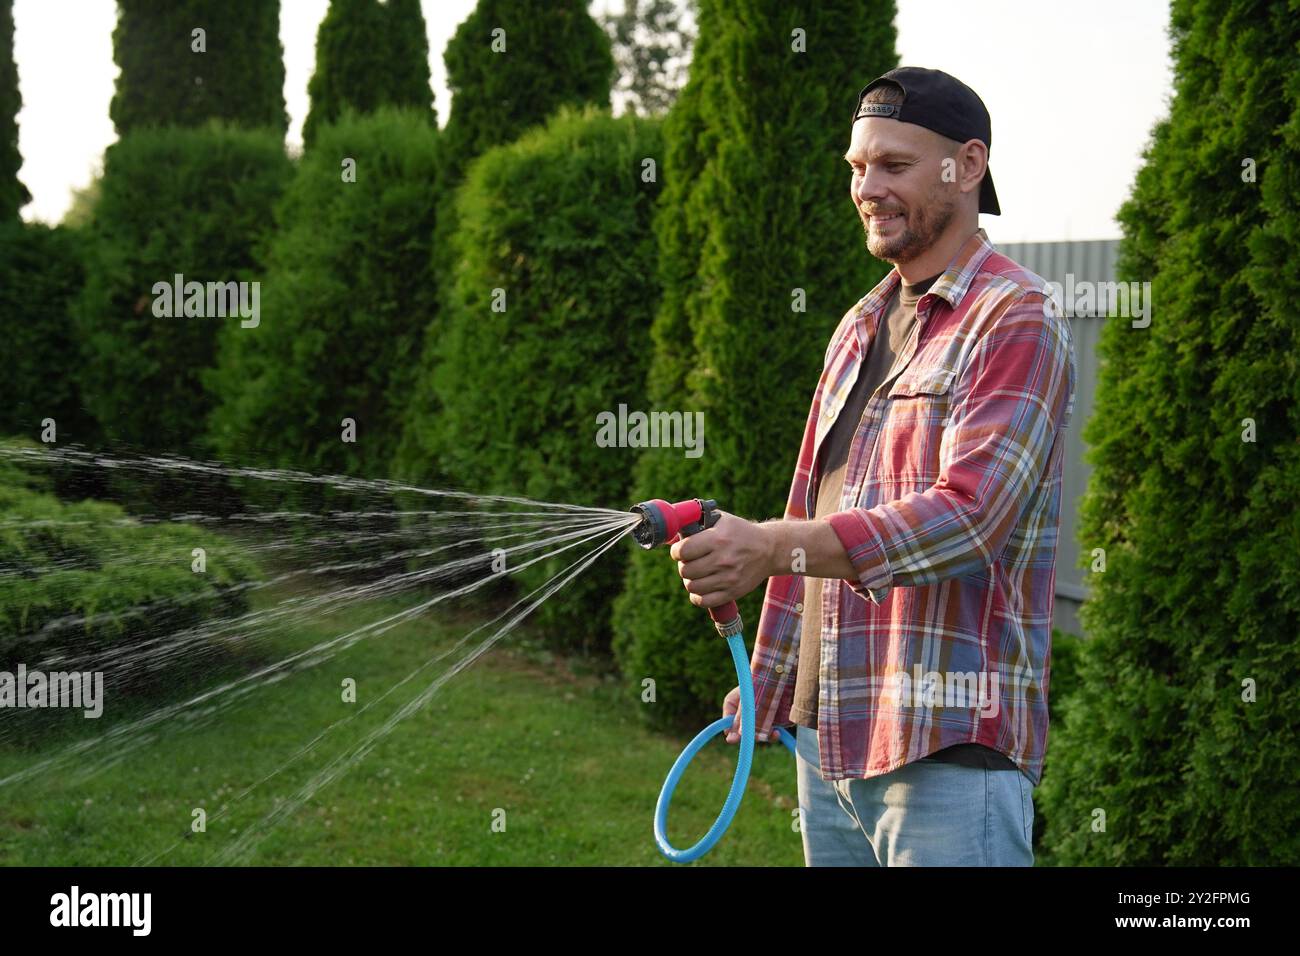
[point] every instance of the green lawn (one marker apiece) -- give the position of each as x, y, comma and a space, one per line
557, 747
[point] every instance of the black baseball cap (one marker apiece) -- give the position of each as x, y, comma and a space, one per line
942, 103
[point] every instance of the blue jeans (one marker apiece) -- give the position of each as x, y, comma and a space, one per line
925, 813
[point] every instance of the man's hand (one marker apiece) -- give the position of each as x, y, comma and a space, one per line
725, 562
731, 708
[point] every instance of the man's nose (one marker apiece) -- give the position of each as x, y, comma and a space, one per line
870, 189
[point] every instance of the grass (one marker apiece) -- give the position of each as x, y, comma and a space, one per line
545, 744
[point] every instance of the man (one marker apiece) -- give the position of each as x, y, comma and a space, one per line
906, 628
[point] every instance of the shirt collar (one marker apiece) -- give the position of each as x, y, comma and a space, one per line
952, 284
957, 278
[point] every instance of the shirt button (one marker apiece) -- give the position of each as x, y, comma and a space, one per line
798, 608
780, 668
830, 413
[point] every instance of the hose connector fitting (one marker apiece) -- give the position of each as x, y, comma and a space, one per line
728, 628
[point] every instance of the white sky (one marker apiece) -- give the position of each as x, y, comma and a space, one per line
1073, 90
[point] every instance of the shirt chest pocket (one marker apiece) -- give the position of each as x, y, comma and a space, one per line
916, 415
932, 381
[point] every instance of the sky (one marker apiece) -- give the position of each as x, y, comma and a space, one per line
1073, 90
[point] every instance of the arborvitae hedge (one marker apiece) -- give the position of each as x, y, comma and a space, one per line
346, 291
1182, 731
555, 55
189, 201
756, 206
131, 582
164, 81
40, 279
369, 54
13, 194
408, 60
560, 221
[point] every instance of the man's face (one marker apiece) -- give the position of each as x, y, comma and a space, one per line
898, 186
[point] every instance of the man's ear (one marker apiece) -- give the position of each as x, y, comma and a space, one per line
972, 163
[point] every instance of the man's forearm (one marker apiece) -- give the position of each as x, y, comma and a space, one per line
811, 548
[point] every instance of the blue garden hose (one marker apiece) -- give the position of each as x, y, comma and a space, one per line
663, 523
746, 681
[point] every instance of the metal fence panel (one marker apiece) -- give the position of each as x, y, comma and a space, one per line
1092, 261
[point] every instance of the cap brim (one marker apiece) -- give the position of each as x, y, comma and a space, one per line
989, 195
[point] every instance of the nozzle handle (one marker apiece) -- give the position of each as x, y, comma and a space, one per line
725, 613
665, 523
726, 617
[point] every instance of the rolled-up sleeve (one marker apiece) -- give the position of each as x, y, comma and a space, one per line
1009, 401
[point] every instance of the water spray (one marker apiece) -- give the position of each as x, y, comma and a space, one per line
663, 523
547, 527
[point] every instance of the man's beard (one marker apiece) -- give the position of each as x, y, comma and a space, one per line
918, 234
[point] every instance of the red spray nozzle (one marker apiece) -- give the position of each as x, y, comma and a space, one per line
664, 523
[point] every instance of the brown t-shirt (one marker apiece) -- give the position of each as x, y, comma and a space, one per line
895, 328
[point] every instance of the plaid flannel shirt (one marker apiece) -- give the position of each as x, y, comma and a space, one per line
949, 515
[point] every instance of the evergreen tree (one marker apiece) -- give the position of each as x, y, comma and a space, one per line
408, 64
511, 64
369, 54
188, 61
755, 215
560, 221
1181, 729
40, 279
193, 202
13, 194
347, 291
